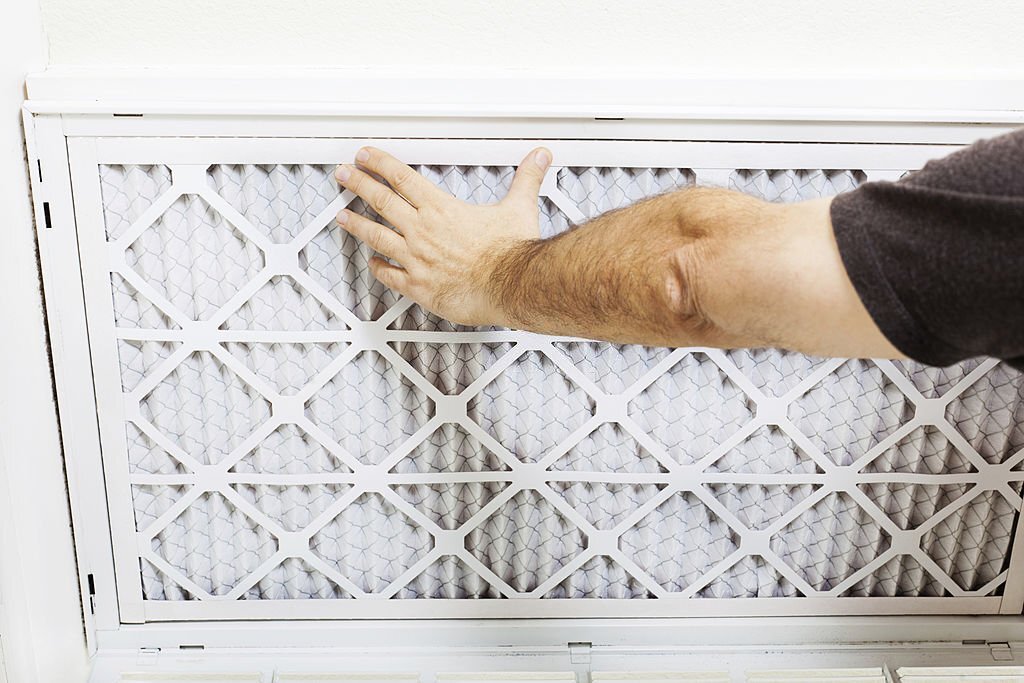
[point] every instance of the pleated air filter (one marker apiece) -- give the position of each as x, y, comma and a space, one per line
286, 438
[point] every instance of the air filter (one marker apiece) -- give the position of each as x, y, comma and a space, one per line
285, 431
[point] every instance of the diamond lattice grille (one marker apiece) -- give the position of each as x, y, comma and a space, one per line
294, 431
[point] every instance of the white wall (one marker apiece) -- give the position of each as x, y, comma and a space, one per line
40, 611
786, 37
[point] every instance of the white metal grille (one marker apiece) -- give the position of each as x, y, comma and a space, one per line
294, 431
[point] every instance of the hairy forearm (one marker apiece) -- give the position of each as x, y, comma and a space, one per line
697, 267
617, 277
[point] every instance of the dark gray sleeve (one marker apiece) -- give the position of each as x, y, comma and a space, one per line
938, 257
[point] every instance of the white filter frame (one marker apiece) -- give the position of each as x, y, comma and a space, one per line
69, 140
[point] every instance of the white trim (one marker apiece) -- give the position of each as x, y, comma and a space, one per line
41, 609
458, 663
474, 93
62, 281
639, 153
649, 633
151, 125
666, 607
110, 514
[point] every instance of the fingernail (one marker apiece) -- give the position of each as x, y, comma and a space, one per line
542, 158
342, 173
362, 155
342, 217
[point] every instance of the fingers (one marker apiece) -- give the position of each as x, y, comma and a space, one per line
390, 276
529, 176
381, 239
379, 196
410, 184
384, 241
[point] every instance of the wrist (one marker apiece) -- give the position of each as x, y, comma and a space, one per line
504, 281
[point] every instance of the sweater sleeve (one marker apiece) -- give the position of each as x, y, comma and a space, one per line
938, 257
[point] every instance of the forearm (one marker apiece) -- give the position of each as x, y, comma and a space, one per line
621, 277
698, 267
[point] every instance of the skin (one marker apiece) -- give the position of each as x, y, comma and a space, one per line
695, 267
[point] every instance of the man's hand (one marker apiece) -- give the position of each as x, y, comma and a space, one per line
444, 250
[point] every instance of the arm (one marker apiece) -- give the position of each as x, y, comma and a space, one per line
696, 267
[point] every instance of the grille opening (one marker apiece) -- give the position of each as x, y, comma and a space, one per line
288, 458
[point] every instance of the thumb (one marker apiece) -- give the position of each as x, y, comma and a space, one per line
526, 184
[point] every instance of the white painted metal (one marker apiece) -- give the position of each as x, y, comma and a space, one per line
503, 152
292, 123
939, 674
59, 258
387, 126
859, 675
663, 634
475, 93
706, 665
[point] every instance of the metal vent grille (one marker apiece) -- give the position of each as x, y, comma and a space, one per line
295, 433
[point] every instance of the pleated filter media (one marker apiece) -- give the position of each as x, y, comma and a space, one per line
293, 431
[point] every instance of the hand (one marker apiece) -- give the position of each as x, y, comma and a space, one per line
443, 249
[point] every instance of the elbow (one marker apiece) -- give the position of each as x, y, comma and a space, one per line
684, 287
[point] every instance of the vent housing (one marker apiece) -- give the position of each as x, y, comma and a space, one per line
283, 442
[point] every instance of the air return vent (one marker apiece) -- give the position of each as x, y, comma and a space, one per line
285, 438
